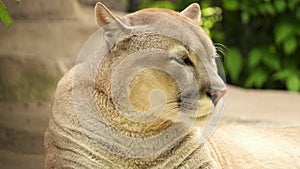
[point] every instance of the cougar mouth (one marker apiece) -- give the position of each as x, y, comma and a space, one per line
203, 104
214, 96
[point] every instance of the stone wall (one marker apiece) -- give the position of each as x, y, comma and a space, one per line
38, 9
117, 5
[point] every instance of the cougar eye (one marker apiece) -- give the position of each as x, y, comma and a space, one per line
185, 61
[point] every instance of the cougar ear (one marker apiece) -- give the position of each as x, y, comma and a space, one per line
112, 26
192, 11
104, 15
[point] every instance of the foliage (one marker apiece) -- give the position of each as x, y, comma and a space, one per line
267, 35
156, 4
4, 16
262, 37
210, 15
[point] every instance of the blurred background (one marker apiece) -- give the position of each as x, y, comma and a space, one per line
258, 42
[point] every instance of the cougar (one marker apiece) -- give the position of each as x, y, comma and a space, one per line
146, 93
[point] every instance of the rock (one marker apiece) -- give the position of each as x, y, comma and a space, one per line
116, 5
37, 9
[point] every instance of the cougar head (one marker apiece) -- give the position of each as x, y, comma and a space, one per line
155, 75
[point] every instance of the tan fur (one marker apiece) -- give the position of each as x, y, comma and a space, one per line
236, 146
69, 144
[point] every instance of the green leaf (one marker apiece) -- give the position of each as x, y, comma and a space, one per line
283, 31
233, 64
245, 17
257, 79
280, 5
250, 81
298, 13
211, 11
290, 46
282, 75
260, 80
162, 4
293, 3
272, 62
254, 57
266, 8
231, 5
293, 83
4, 15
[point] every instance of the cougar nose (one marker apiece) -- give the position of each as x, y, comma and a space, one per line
217, 95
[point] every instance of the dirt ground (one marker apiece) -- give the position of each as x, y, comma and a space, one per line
48, 46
